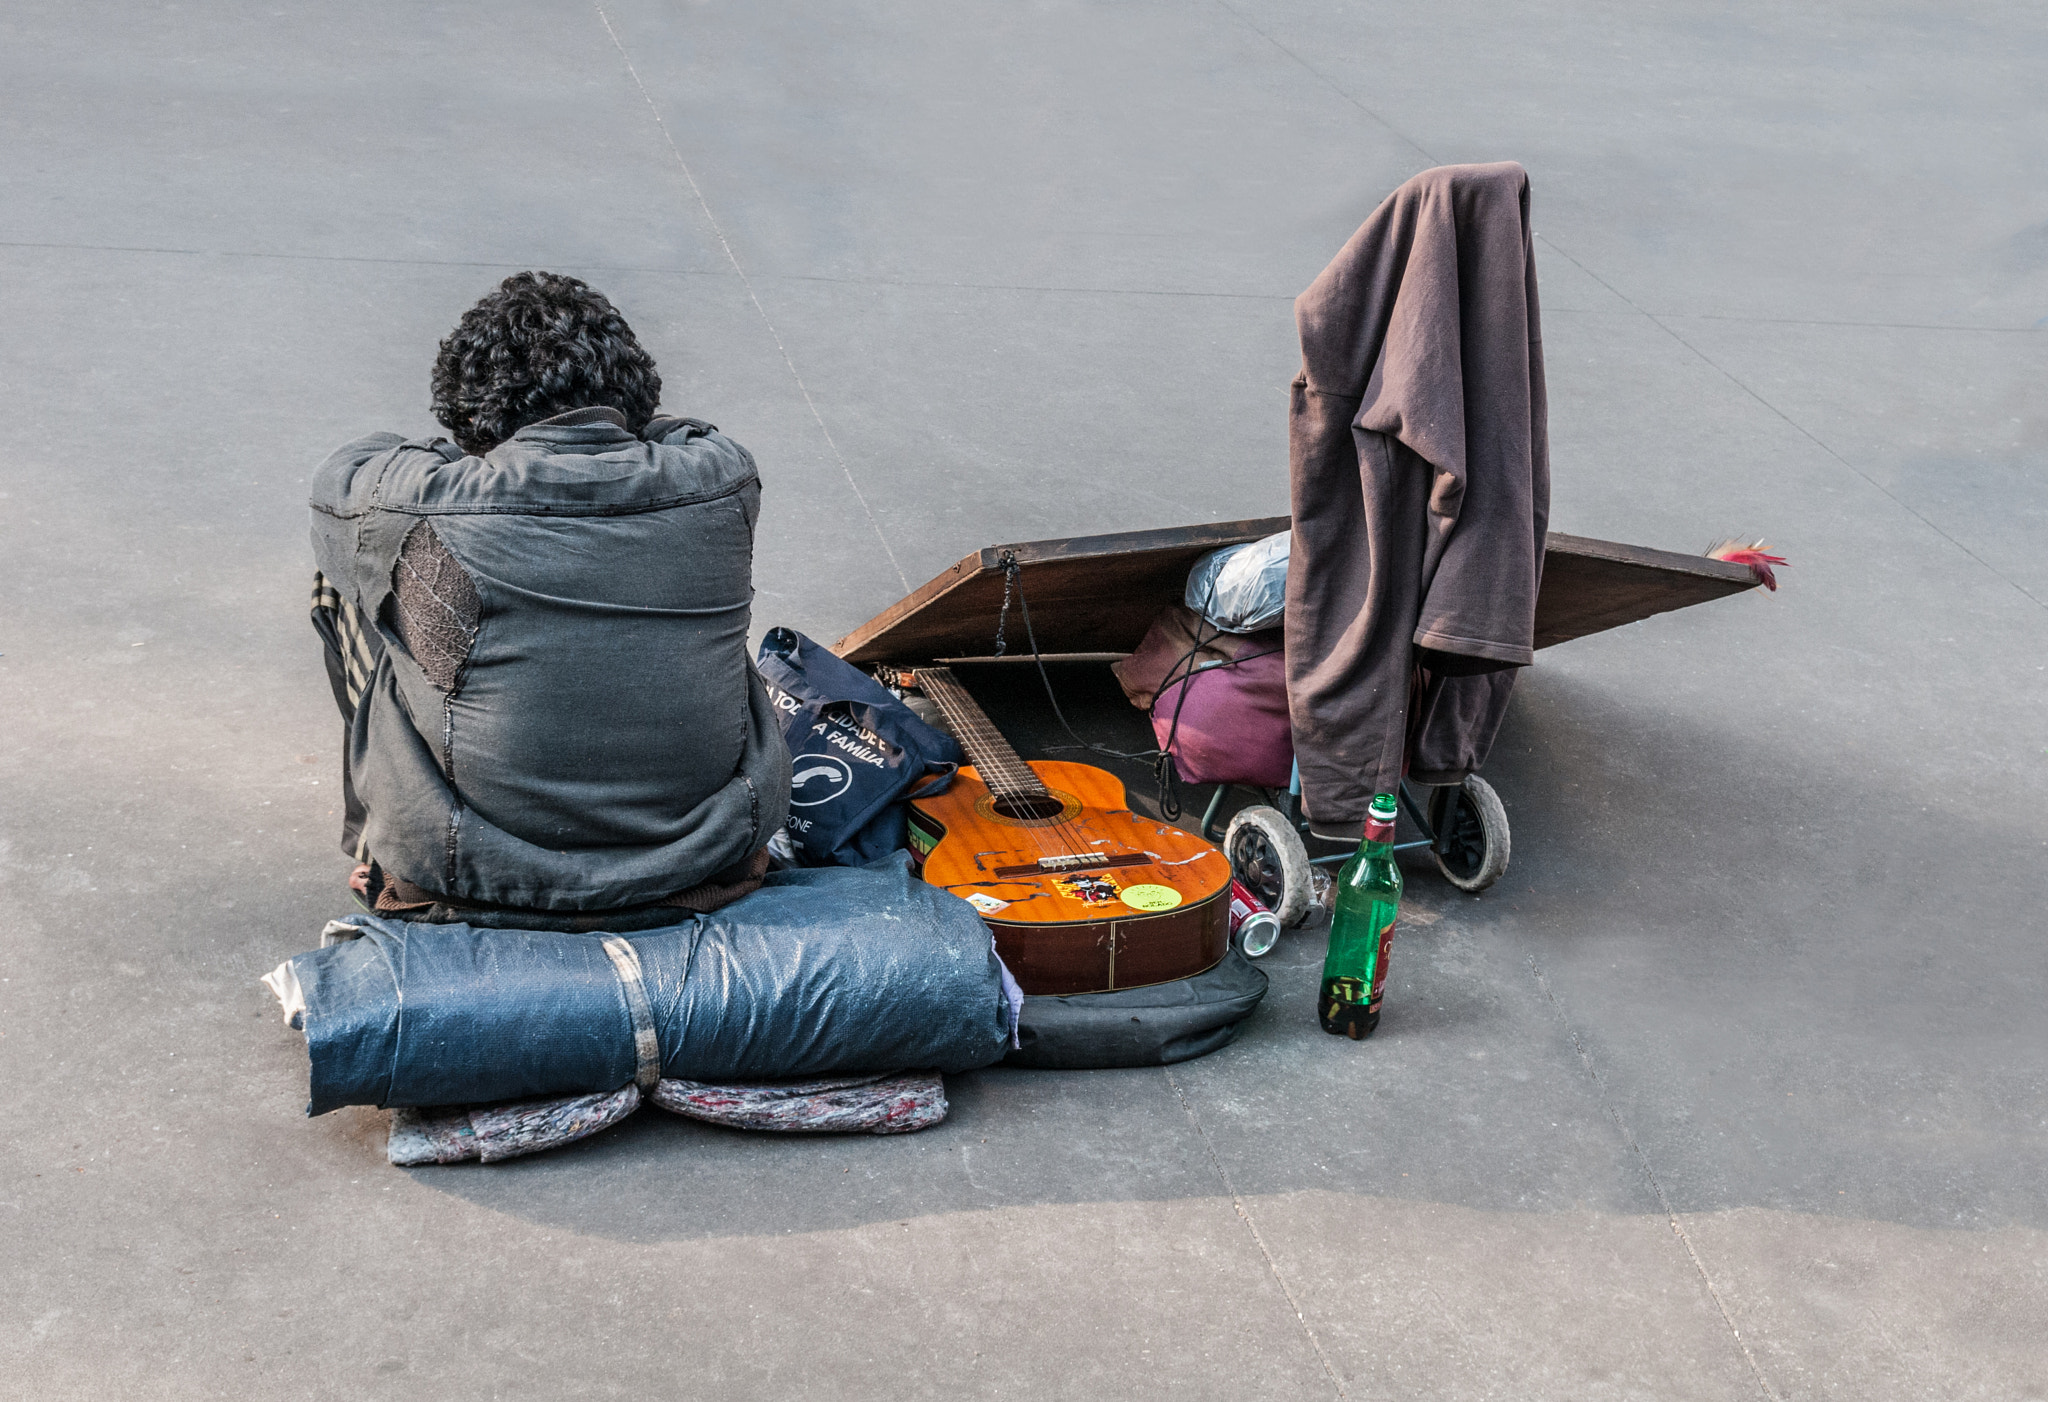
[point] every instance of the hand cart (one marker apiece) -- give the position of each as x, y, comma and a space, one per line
1463, 827
1093, 597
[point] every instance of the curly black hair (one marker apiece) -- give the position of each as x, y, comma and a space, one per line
541, 345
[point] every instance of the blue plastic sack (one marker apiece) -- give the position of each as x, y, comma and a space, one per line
856, 753
818, 973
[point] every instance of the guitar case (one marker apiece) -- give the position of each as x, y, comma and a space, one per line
1156, 1025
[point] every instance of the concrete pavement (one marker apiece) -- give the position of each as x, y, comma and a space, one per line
1735, 1087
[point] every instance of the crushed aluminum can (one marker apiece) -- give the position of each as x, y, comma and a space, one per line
1255, 928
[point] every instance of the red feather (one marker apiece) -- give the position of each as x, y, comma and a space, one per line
1736, 553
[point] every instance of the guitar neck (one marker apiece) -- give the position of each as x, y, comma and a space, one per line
1006, 775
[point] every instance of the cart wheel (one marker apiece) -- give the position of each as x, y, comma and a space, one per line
1472, 828
1267, 856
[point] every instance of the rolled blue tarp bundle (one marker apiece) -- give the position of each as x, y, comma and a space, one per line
821, 972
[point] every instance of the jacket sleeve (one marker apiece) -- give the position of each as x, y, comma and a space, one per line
343, 487
1485, 558
335, 480
1416, 392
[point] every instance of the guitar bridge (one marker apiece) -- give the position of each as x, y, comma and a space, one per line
1074, 861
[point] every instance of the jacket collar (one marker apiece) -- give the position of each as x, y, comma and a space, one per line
593, 430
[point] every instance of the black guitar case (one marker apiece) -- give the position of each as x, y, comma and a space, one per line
1152, 1026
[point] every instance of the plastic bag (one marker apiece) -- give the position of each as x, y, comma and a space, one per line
857, 753
1241, 588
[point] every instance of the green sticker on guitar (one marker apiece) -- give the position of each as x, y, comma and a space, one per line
1150, 897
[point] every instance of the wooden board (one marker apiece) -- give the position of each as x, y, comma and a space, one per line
1094, 593
1590, 586
1100, 593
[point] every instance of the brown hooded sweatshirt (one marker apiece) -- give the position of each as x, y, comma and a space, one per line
1420, 469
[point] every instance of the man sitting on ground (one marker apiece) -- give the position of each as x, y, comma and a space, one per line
537, 635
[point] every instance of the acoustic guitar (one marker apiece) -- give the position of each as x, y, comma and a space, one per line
1083, 895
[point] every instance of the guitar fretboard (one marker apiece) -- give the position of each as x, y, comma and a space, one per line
1006, 775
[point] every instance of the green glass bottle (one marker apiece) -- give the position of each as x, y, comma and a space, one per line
1362, 929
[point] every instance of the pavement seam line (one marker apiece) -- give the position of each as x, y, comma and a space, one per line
1801, 429
1028, 287
1825, 321
752, 296
1655, 320
347, 258
1656, 1184
666, 272
958, 286
1331, 83
1244, 1215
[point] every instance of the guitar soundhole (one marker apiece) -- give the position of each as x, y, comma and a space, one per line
1036, 810
1025, 808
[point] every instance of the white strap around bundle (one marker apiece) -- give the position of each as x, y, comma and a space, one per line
646, 1045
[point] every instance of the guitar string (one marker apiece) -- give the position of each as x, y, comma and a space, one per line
1021, 777
1013, 773
1012, 580
1021, 783
1010, 767
1016, 779
996, 758
975, 735
1163, 772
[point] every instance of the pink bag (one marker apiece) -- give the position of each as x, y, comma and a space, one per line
1228, 723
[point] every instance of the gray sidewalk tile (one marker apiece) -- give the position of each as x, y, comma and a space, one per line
1845, 1308
1090, 147
1947, 420
1425, 1299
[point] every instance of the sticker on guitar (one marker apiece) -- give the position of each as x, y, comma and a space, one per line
1150, 897
1089, 890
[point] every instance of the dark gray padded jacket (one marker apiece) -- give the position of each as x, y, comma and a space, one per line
562, 714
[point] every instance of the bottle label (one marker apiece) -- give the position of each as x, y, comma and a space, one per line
1379, 965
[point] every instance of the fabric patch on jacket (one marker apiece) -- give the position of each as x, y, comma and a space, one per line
437, 606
